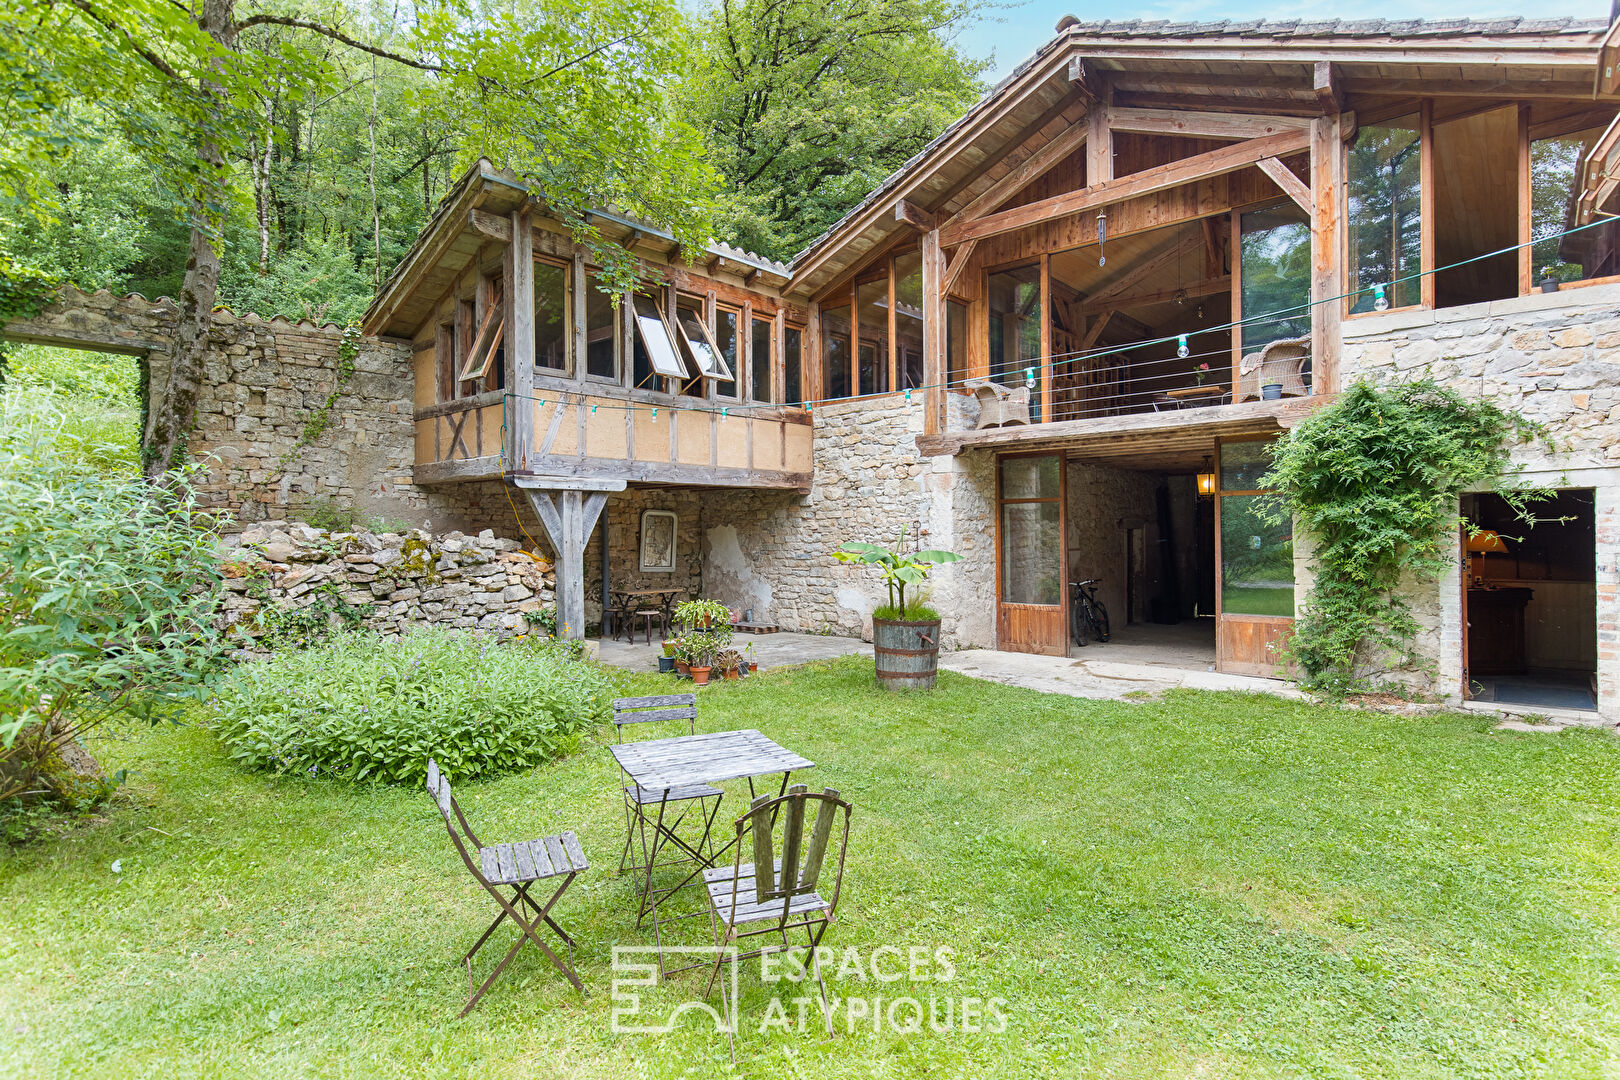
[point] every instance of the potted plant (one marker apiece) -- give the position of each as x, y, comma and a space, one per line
701, 614
669, 646
1271, 391
730, 662
905, 636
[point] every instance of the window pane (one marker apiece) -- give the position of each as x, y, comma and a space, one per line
835, 352
1015, 328
759, 357
601, 351
792, 348
1555, 185
1276, 275
551, 316
695, 345
728, 335
1383, 177
1031, 553
654, 337
956, 341
1030, 477
908, 320
1243, 463
1257, 560
873, 300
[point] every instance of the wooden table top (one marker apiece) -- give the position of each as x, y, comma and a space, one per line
661, 764
1196, 391
644, 592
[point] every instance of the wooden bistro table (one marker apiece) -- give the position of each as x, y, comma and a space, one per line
660, 766
626, 601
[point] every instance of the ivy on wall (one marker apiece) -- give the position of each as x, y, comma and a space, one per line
318, 421
1375, 480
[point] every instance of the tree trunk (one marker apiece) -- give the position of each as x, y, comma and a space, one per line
172, 407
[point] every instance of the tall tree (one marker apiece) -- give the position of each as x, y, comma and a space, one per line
571, 94
809, 104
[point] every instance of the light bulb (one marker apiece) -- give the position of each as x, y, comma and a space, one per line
1380, 301
1029, 378
1181, 347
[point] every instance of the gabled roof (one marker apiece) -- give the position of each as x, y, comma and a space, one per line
1365, 50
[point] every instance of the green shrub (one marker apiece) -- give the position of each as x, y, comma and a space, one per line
913, 613
365, 707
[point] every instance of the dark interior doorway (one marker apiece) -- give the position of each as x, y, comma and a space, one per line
1531, 601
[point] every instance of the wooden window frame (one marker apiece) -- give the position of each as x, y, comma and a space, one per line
636, 317
739, 391
570, 361
581, 336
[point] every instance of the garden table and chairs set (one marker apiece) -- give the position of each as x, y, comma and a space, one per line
671, 800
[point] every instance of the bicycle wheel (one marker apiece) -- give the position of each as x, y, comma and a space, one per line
1077, 630
1099, 620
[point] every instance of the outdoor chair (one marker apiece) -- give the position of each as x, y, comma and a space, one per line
640, 801
515, 867
744, 905
1281, 361
1000, 405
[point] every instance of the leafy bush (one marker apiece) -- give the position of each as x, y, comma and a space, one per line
108, 590
365, 707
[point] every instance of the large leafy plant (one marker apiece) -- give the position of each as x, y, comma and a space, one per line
108, 590
1375, 480
364, 707
898, 567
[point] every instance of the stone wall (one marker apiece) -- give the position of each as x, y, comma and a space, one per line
1555, 357
772, 551
388, 582
622, 518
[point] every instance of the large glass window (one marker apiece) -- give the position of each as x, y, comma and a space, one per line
835, 352
872, 302
601, 336
908, 320
551, 316
655, 351
1032, 530
759, 361
1015, 328
956, 341
1555, 187
792, 365
728, 337
1383, 180
1276, 275
1257, 547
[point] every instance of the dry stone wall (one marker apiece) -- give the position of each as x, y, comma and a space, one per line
387, 582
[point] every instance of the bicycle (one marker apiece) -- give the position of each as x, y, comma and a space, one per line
1086, 612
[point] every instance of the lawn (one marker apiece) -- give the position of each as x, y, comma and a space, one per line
1207, 885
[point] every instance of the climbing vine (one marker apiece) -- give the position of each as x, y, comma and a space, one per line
1374, 480
320, 419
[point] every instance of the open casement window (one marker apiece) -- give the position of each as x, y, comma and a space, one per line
699, 347
654, 336
486, 344
1556, 183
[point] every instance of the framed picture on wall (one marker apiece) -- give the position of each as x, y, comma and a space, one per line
658, 541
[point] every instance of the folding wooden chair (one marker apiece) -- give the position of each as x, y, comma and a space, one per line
514, 867
744, 904
637, 800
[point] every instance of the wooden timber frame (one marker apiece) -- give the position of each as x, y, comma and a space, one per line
1194, 123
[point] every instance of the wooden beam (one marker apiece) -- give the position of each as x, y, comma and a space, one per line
1525, 203
1029, 170
1044, 391
1328, 245
1284, 177
1094, 331
1099, 136
935, 367
1274, 107
717, 263
1326, 88
1500, 89
752, 276
1601, 172
569, 522
1198, 167
519, 304
910, 214
490, 226
959, 262
1426, 215
1203, 125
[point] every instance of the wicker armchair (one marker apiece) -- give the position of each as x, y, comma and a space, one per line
1000, 405
1282, 361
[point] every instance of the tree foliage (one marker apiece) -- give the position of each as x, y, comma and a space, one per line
1375, 480
809, 104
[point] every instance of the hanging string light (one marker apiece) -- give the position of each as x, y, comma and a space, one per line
1102, 236
1380, 301
1181, 346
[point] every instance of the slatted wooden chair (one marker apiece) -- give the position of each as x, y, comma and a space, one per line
515, 867
640, 802
743, 904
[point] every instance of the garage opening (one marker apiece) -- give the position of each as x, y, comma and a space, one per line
1530, 613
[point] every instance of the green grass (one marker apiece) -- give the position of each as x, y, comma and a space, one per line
1257, 600
1207, 885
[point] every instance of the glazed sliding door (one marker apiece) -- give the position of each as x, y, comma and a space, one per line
1030, 575
1254, 611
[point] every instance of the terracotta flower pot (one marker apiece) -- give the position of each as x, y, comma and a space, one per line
732, 674
700, 676
752, 667
683, 667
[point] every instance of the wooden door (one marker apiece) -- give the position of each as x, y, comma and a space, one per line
1254, 564
1031, 578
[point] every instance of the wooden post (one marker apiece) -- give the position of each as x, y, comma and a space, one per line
1426, 220
935, 366
569, 520
1236, 257
894, 362
519, 302
1045, 385
1526, 263
1327, 251
1100, 136
581, 339
810, 361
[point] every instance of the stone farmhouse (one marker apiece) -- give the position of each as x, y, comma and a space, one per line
1056, 341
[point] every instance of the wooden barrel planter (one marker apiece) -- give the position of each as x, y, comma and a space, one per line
907, 653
